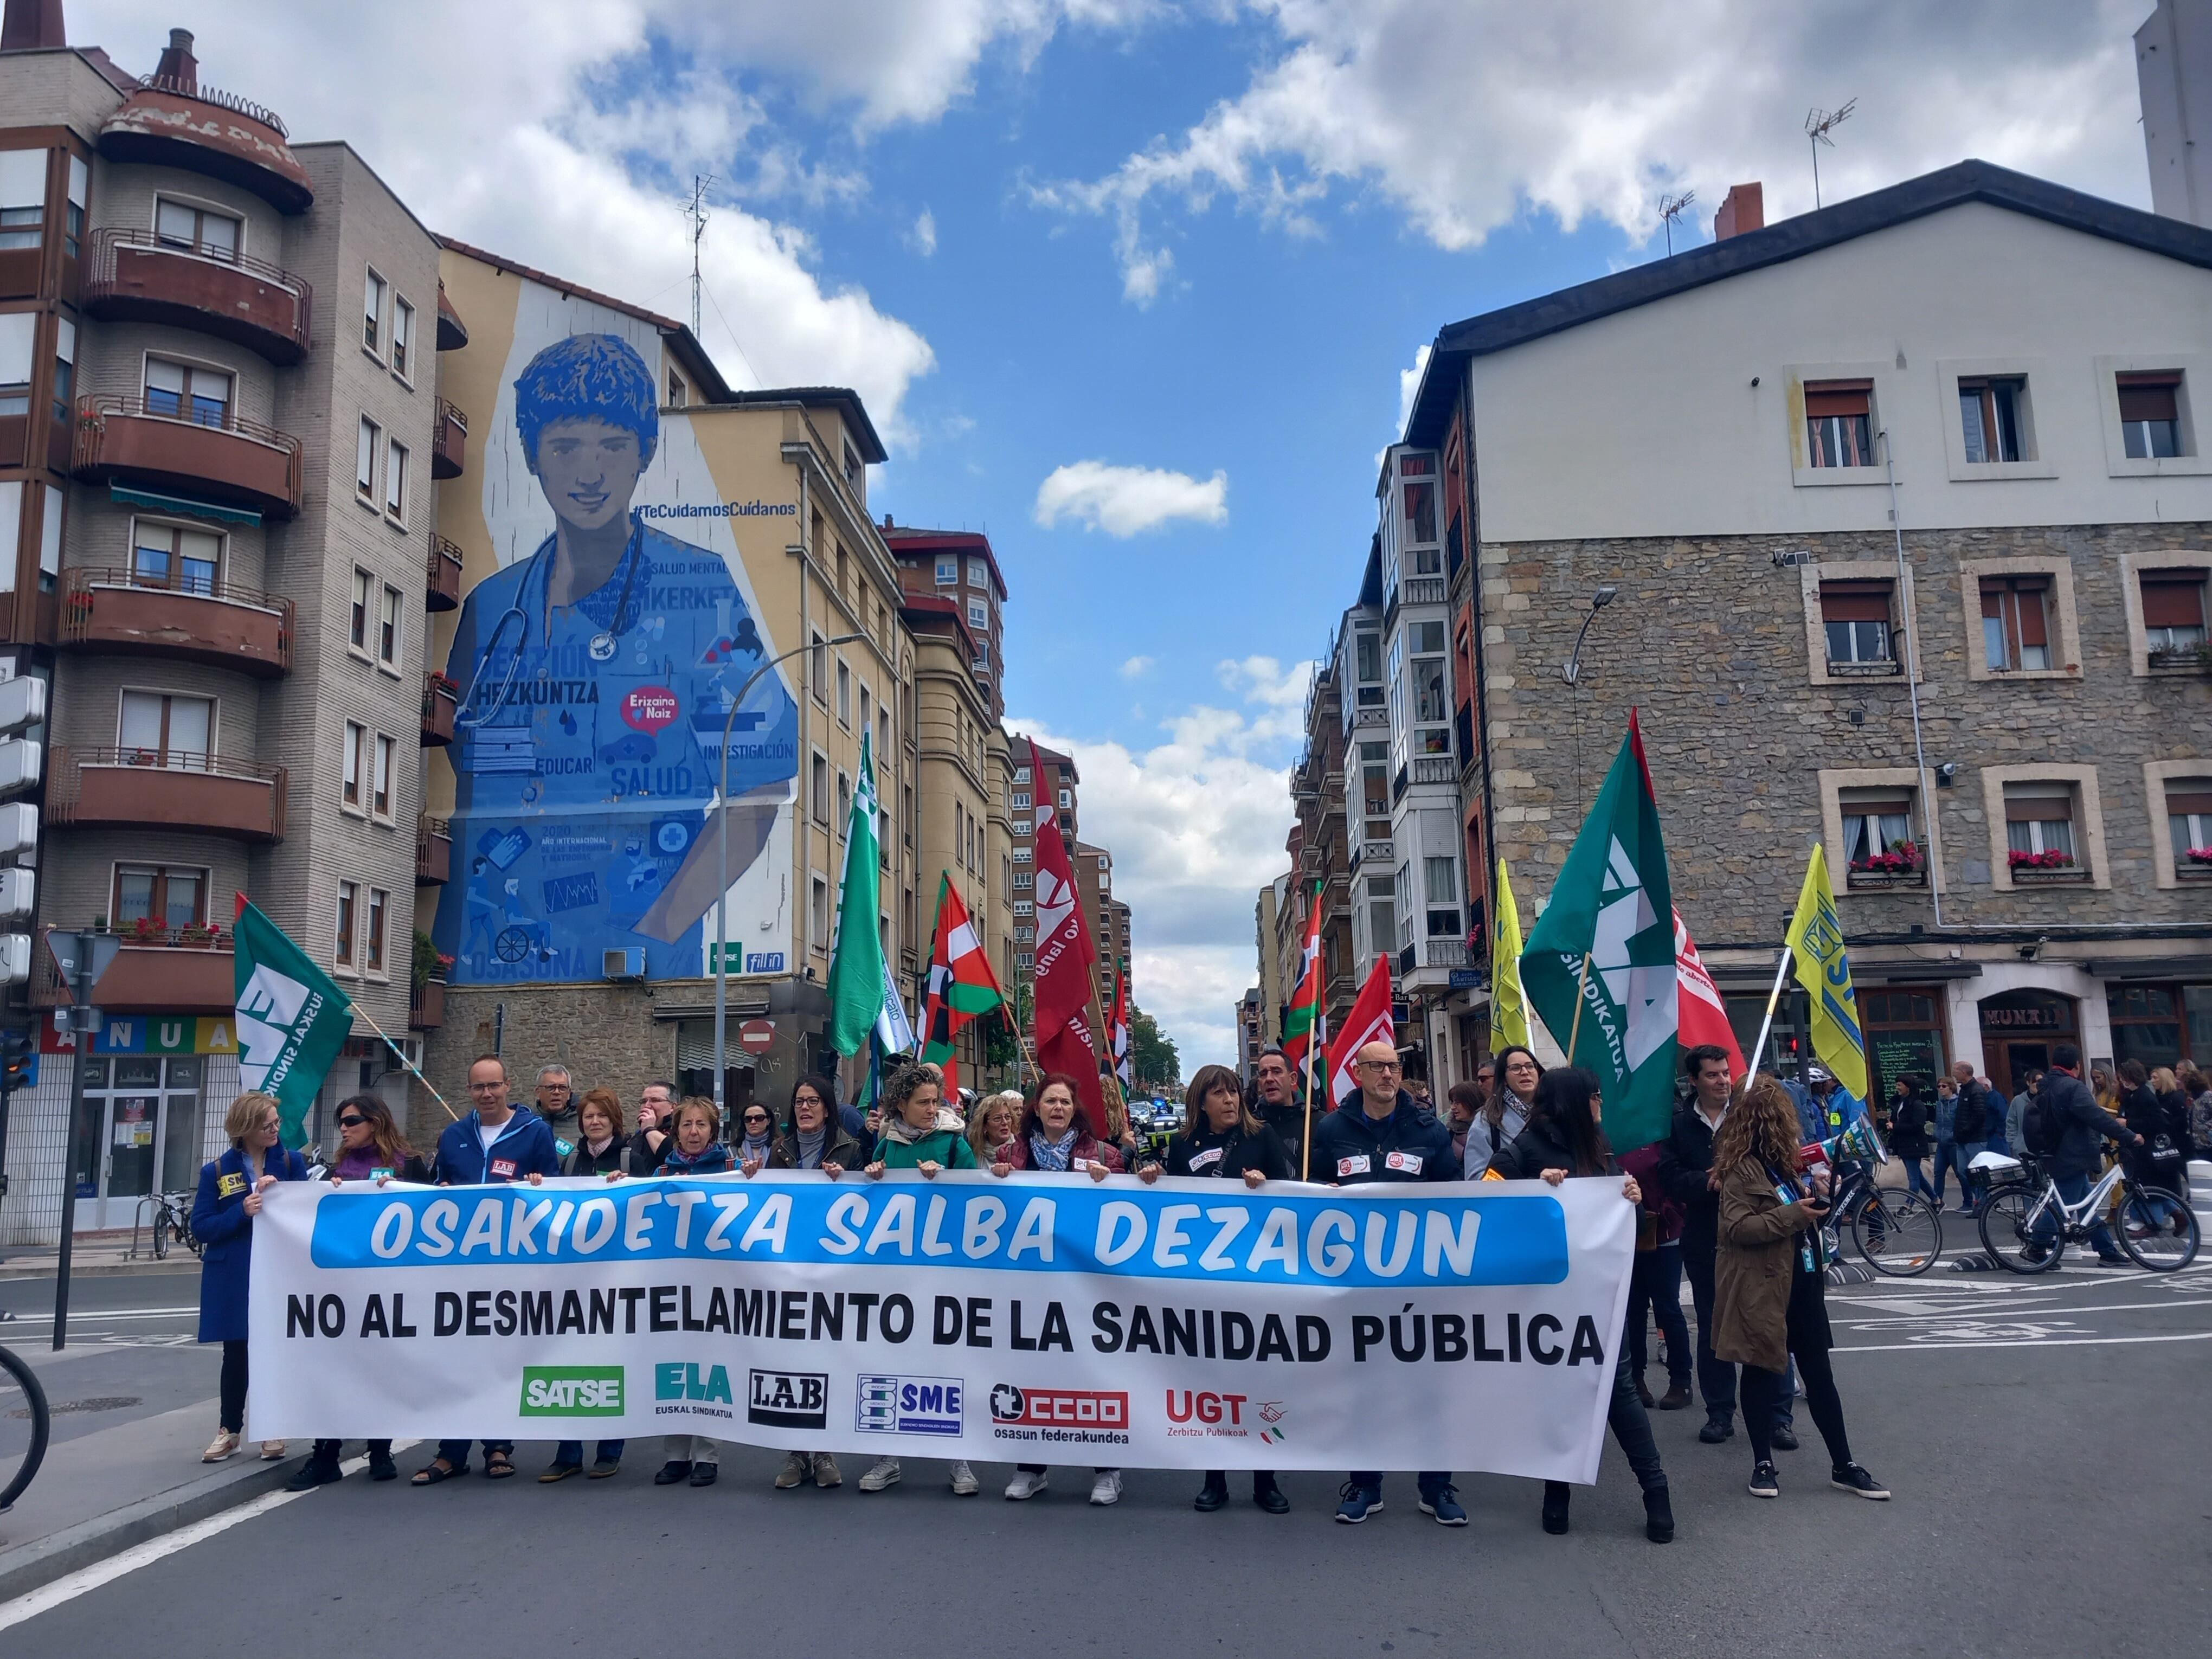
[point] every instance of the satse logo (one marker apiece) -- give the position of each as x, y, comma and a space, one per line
908, 1404
572, 1391
788, 1399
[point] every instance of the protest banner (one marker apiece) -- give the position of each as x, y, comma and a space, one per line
1185, 1325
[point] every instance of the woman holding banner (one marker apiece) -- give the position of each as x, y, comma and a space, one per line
1562, 1138
228, 1200
1769, 1281
695, 1149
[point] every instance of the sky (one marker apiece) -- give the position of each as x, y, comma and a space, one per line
1140, 287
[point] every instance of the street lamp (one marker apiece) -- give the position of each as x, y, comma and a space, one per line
1573, 671
722, 892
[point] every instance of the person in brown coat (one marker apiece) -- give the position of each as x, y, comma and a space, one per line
1769, 1279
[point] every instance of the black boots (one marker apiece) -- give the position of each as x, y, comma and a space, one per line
1556, 1494
1214, 1494
1658, 1515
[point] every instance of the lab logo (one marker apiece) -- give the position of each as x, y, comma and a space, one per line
788, 1399
1088, 1408
908, 1405
650, 708
572, 1391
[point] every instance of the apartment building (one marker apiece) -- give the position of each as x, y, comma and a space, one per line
218, 430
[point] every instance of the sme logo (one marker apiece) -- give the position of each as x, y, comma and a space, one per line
1086, 1408
572, 1391
908, 1404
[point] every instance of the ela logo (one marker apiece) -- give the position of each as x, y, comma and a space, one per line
908, 1404
680, 1381
788, 1399
572, 1391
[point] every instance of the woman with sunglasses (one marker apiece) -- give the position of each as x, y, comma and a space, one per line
758, 1145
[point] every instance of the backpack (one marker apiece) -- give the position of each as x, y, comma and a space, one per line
2041, 1126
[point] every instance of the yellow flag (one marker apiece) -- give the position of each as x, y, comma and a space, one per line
1509, 1013
1824, 968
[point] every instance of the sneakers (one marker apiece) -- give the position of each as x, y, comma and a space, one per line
382, 1467
826, 1472
675, 1471
559, 1472
224, 1445
2114, 1261
1359, 1503
798, 1469
885, 1473
1765, 1480
272, 1451
704, 1474
1107, 1488
314, 1473
1675, 1398
1444, 1504
1717, 1430
1852, 1479
1026, 1484
1784, 1438
964, 1483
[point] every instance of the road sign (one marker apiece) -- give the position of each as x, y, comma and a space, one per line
756, 1036
97, 949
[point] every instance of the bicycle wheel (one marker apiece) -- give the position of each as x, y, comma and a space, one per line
2157, 1231
2005, 1235
1900, 1235
23, 1427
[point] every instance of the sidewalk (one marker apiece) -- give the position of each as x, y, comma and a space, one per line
96, 1256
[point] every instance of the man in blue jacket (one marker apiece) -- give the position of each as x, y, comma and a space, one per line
493, 1144
1389, 1136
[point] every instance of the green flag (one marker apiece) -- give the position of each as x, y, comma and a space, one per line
1606, 939
292, 1019
856, 965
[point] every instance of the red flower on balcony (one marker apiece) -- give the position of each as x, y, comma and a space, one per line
1902, 859
2200, 855
2020, 860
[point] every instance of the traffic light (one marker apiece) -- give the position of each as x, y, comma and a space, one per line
19, 1060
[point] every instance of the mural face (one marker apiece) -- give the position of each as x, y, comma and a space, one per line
597, 676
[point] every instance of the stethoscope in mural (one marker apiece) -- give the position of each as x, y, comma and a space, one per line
601, 645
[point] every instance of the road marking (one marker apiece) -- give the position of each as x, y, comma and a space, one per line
183, 1310
2060, 1342
48, 1597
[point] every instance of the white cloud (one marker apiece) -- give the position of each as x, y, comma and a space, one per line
1464, 115
1123, 501
1136, 666
1196, 825
1409, 386
922, 239
538, 131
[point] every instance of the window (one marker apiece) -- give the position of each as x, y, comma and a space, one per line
22, 197
2173, 610
18, 348
357, 739
1431, 735
50, 538
395, 480
357, 629
1067, 801
64, 367
1025, 881
818, 934
1024, 960
867, 715
1420, 511
372, 306
180, 225
387, 629
1019, 801
2015, 622
883, 733
364, 461
1021, 774
1025, 907
844, 696
403, 334
2039, 824
380, 795
79, 177
2188, 822
852, 467
185, 392
678, 393
161, 895
1021, 853
342, 948
1837, 422
982, 664
844, 817
1367, 658
948, 570
169, 555
820, 797
817, 664
2150, 414
161, 730
1381, 911
1440, 883
1992, 417
979, 613
1856, 616
372, 943
11, 531
1878, 831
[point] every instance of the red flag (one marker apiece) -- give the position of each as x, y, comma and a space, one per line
961, 984
1700, 1015
1304, 1023
1368, 1022
1064, 958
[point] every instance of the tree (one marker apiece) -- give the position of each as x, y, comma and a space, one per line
1152, 1057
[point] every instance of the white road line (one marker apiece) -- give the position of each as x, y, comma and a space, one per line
2034, 1342
1862, 1321
48, 1597
188, 1311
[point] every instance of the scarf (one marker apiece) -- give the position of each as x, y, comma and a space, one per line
752, 1150
896, 1128
810, 1146
714, 1160
359, 1163
1052, 1154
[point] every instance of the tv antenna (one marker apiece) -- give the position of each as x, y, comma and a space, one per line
696, 215
1819, 124
1672, 208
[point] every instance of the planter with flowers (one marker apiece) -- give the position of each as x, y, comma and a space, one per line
1902, 866
2195, 865
2044, 869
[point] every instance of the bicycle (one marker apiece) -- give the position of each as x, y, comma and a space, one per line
2025, 1227
22, 1401
1898, 1235
171, 1221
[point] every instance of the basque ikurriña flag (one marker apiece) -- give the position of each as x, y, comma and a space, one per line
1303, 1022
961, 983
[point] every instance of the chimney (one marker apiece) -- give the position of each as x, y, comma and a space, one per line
1744, 209
178, 67
32, 26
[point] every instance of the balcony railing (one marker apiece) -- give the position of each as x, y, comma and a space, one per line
1371, 851
1370, 716
1446, 953
426, 1006
1425, 589
442, 591
169, 122
441, 698
218, 622
139, 275
171, 971
232, 460
433, 850
449, 441
175, 789
1435, 768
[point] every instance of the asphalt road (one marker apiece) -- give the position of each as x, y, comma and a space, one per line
2044, 1439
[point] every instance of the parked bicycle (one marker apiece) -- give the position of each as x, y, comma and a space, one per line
2025, 1226
1898, 1234
24, 1426
171, 1222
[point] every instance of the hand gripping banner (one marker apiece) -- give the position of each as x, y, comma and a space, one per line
1191, 1324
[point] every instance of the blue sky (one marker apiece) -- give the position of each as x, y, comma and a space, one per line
1175, 260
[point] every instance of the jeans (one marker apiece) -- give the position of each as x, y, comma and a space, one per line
232, 1415
1970, 1184
1945, 1157
691, 1448
1808, 1353
1655, 1283
1431, 1481
2072, 1189
1916, 1181
1716, 1377
572, 1451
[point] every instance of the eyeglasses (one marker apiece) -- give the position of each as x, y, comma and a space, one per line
351, 1122
1379, 1066
492, 1087
752, 1118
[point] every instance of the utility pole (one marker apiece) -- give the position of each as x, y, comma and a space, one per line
697, 215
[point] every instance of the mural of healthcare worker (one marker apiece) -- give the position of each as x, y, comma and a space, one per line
595, 676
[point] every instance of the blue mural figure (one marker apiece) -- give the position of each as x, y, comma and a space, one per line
596, 675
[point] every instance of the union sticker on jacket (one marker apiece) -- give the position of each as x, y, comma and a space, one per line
502, 1168
229, 1186
1358, 1164
1404, 1162
1210, 1154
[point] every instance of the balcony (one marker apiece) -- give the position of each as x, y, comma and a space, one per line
1376, 716
139, 789
167, 970
449, 442
1436, 768
441, 698
452, 332
136, 276
240, 462
1425, 589
1372, 851
443, 589
218, 623
434, 851
174, 122
426, 1006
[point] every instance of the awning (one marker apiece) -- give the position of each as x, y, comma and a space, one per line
2196, 967
147, 498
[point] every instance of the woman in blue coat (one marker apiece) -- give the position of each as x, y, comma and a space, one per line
223, 1218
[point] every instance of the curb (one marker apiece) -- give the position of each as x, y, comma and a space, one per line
33, 1565
10, 1274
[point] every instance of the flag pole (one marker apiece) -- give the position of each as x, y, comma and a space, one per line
413, 1070
1766, 1025
1575, 1030
1305, 1140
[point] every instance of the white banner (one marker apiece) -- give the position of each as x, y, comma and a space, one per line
1191, 1324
